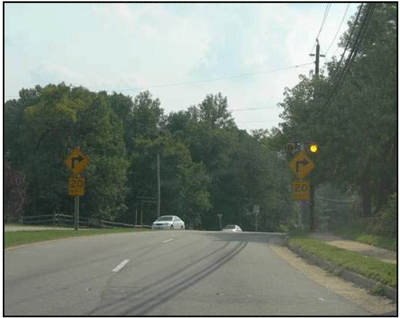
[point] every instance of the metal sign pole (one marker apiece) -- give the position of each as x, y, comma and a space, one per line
256, 221
219, 215
76, 213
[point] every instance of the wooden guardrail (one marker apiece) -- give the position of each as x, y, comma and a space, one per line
58, 219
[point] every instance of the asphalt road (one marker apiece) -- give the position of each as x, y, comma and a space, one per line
165, 273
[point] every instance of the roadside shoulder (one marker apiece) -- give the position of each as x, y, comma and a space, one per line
373, 284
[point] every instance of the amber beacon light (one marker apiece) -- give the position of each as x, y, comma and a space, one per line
313, 148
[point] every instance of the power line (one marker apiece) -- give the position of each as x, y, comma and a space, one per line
351, 33
256, 121
343, 201
340, 25
322, 24
362, 29
208, 80
217, 79
246, 109
328, 6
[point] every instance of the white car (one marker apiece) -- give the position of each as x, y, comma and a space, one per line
232, 228
168, 222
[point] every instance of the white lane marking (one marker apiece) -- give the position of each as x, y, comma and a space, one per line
168, 240
116, 269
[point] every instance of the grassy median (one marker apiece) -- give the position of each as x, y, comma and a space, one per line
16, 238
361, 264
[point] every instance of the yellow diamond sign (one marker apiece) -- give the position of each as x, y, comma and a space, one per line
76, 161
301, 165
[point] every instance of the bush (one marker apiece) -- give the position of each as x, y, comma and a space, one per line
386, 221
282, 229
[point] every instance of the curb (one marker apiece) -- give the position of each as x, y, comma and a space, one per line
346, 274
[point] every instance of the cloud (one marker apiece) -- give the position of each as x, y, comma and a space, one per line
129, 47
47, 72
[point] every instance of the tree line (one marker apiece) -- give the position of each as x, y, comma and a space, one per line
207, 165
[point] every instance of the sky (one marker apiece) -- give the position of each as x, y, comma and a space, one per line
180, 52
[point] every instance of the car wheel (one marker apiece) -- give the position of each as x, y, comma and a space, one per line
181, 227
172, 227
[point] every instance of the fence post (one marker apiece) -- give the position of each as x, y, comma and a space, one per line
54, 218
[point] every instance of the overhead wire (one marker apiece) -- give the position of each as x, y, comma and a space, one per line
322, 24
206, 80
216, 79
362, 29
351, 34
340, 25
324, 19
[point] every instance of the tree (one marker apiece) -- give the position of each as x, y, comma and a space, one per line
183, 182
213, 111
148, 116
15, 196
53, 121
354, 120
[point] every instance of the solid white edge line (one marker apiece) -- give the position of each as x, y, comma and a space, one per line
168, 240
116, 269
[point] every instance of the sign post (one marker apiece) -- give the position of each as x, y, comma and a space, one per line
301, 165
256, 209
219, 215
77, 212
76, 161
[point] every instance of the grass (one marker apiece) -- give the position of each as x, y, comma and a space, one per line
357, 232
367, 266
16, 238
379, 241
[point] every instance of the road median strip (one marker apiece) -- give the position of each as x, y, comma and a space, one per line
365, 271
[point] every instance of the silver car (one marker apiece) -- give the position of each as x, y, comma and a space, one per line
232, 228
168, 222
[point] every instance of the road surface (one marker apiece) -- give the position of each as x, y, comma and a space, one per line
172, 273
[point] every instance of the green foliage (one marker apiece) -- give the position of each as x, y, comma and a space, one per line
380, 230
282, 229
242, 169
148, 116
207, 165
357, 129
378, 290
386, 221
379, 241
53, 120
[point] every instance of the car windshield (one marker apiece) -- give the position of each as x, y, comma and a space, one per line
165, 218
229, 227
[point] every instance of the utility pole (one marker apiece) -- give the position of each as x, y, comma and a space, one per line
158, 187
317, 56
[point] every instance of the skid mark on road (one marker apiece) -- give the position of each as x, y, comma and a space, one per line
139, 302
